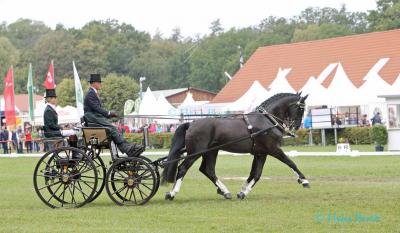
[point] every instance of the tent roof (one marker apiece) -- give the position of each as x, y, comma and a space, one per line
280, 83
148, 104
255, 95
315, 91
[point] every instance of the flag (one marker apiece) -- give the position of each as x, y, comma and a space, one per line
9, 105
49, 81
30, 94
78, 91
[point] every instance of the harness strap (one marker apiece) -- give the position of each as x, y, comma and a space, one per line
250, 128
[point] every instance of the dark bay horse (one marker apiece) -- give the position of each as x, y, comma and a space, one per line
281, 111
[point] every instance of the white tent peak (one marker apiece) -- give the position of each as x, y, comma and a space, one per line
280, 83
326, 72
148, 103
188, 101
315, 91
374, 71
255, 95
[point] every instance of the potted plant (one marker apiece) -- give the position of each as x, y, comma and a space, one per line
379, 136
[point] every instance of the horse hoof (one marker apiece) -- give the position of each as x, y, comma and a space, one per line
241, 196
228, 196
299, 181
168, 196
306, 185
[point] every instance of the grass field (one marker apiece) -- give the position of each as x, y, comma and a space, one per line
344, 187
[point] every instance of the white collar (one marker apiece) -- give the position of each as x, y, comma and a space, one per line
52, 106
94, 89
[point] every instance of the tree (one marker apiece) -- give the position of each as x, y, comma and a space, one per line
66, 91
216, 27
386, 16
25, 32
316, 32
116, 90
176, 35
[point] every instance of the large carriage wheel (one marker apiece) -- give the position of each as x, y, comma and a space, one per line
156, 171
131, 181
101, 171
65, 178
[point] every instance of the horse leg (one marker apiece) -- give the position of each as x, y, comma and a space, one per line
301, 179
207, 167
255, 175
182, 169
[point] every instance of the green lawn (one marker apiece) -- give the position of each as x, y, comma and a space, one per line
341, 186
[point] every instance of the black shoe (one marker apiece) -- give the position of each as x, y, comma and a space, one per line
136, 150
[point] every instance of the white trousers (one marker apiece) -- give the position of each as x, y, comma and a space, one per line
67, 132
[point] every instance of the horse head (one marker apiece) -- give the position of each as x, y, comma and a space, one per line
287, 108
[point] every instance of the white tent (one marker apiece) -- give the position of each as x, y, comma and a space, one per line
148, 104
280, 83
2, 105
374, 85
315, 91
396, 86
341, 91
188, 101
254, 96
66, 115
166, 110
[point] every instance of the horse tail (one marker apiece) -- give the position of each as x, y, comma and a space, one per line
177, 149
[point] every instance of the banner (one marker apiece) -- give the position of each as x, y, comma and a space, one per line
9, 105
30, 94
49, 81
78, 91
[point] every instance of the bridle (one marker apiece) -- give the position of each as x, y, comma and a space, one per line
287, 125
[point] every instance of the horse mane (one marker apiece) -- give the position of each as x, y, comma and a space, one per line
274, 98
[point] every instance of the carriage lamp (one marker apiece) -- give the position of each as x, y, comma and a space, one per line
93, 140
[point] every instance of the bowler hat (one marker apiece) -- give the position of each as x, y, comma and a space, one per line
51, 93
95, 78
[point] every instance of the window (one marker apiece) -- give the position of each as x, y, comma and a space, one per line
394, 116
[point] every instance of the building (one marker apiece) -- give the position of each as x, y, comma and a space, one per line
176, 96
357, 54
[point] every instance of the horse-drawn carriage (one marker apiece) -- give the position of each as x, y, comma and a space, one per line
74, 176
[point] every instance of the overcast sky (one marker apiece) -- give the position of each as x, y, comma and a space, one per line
192, 17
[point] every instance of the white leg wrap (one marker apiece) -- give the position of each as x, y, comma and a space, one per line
304, 181
177, 187
247, 187
297, 174
222, 187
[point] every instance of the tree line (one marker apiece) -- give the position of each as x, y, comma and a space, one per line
119, 50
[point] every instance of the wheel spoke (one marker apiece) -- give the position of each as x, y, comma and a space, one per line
80, 190
73, 201
50, 185
63, 196
126, 193
119, 190
146, 186
54, 193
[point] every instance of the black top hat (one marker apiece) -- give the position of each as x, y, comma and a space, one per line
51, 93
95, 78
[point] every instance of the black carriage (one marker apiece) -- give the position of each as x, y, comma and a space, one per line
70, 177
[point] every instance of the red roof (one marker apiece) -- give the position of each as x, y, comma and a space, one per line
357, 54
22, 103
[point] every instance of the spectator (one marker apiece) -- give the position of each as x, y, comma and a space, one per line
364, 122
35, 139
20, 138
14, 140
376, 119
28, 140
3, 139
308, 121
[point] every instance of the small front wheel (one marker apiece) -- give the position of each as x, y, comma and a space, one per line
131, 181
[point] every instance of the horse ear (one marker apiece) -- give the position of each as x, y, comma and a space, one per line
303, 99
299, 93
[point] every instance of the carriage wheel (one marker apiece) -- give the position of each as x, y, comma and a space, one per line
156, 171
65, 178
131, 181
101, 173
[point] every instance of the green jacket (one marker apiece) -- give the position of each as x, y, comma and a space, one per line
51, 127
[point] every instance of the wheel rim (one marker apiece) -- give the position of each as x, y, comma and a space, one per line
65, 178
131, 181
